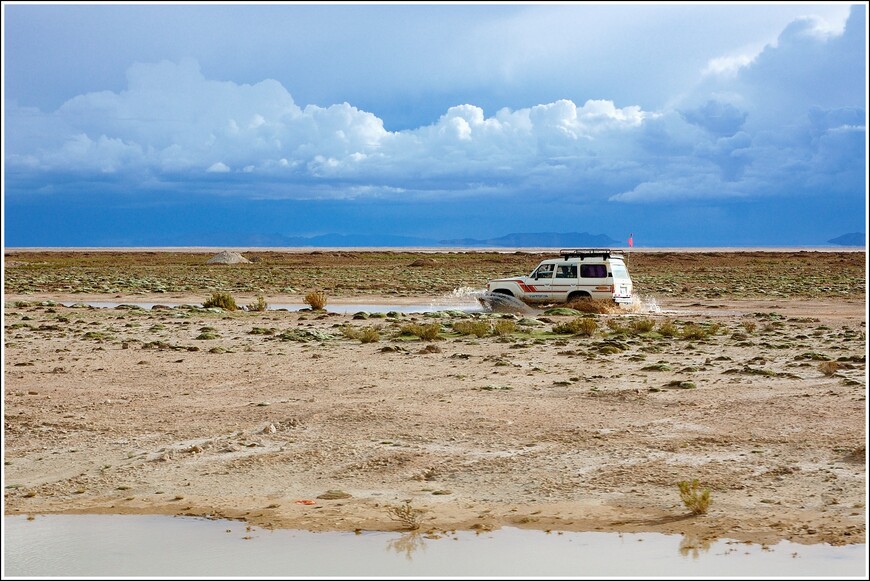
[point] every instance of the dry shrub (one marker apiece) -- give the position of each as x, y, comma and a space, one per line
258, 305
406, 514
829, 368
578, 326
696, 499
316, 300
222, 300
595, 306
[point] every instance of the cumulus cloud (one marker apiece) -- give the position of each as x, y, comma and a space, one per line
791, 117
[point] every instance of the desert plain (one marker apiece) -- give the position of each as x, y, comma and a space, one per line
744, 371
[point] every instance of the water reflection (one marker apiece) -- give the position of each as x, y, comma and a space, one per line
118, 545
693, 545
407, 544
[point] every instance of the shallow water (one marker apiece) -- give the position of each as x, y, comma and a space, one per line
116, 545
332, 308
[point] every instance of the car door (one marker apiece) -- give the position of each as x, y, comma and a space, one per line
541, 283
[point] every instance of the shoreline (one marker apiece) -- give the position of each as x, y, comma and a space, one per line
427, 249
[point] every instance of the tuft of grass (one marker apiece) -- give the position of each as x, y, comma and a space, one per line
222, 300
364, 335
504, 327
668, 329
406, 514
579, 326
638, 326
476, 328
693, 332
258, 305
316, 300
829, 368
694, 497
428, 332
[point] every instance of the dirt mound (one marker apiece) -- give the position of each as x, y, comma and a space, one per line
227, 257
424, 262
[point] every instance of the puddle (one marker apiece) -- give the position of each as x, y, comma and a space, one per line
464, 300
332, 308
123, 545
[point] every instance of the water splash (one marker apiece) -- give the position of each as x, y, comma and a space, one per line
641, 304
501, 303
463, 298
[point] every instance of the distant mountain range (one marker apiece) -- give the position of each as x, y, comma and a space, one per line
517, 240
540, 239
852, 239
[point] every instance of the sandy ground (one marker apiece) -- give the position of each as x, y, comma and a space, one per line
281, 420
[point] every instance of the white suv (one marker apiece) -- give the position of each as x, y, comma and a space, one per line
580, 273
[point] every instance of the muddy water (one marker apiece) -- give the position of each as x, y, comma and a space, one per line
115, 545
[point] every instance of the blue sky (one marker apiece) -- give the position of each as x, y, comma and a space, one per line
236, 125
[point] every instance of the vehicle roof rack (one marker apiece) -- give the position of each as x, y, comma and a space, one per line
587, 252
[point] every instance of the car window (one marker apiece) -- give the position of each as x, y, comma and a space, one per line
566, 271
593, 271
619, 271
544, 271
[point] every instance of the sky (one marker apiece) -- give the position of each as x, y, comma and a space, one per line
699, 125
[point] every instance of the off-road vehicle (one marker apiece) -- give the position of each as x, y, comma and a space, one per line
596, 273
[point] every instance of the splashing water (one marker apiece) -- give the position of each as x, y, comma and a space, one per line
463, 298
500, 303
640, 304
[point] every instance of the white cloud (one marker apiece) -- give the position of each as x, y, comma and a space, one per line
218, 167
791, 116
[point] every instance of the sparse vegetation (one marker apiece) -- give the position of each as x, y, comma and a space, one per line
694, 497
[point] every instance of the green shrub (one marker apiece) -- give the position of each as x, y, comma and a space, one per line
259, 305
695, 499
316, 300
223, 300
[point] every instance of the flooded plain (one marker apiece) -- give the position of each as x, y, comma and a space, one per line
116, 545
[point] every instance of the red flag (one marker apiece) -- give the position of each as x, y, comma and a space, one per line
631, 240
